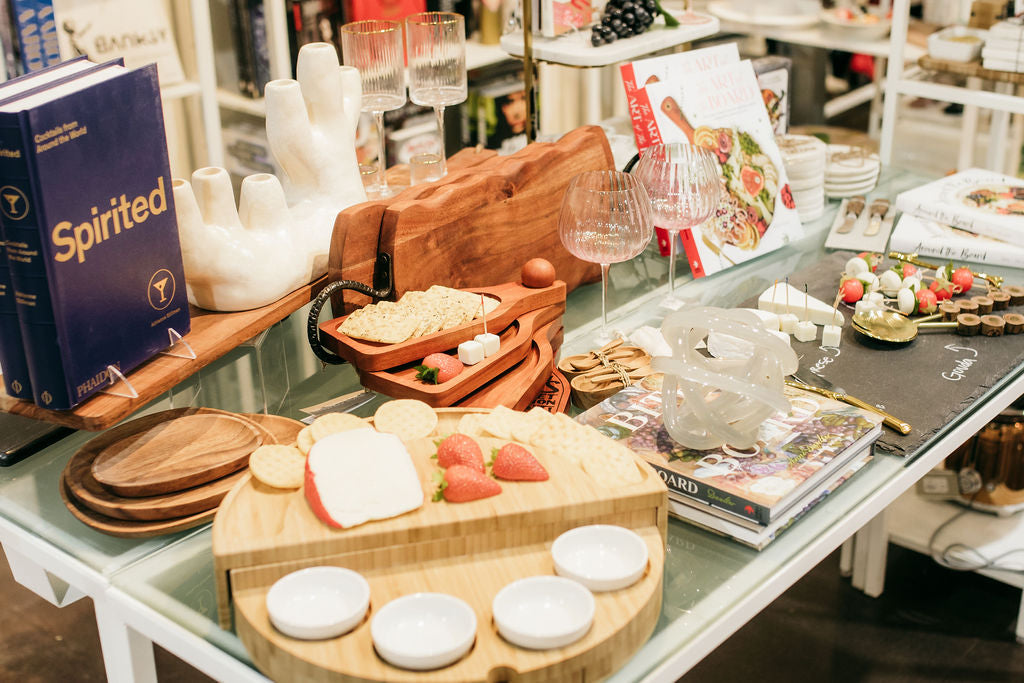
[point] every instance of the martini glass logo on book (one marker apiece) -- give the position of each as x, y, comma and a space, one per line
13, 203
161, 289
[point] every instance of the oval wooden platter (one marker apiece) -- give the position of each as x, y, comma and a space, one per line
514, 300
172, 450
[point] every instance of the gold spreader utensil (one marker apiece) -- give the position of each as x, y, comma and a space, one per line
893, 326
888, 420
994, 280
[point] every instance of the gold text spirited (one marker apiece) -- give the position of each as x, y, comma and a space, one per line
72, 241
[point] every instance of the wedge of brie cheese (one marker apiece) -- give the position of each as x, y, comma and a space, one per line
360, 475
782, 298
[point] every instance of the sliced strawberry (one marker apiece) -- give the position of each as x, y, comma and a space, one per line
459, 449
515, 463
438, 368
461, 484
906, 269
927, 302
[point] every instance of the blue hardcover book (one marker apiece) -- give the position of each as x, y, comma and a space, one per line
48, 32
26, 24
13, 361
92, 235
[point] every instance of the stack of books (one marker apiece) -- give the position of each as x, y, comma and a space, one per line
974, 215
93, 280
750, 495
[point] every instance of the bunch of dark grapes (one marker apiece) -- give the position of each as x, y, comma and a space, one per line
623, 18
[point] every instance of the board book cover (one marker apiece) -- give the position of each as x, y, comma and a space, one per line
723, 111
97, 272
979, 201
793, 453
931, 238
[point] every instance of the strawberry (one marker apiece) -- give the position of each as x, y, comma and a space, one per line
942, 288
852, 289
963, 279
438, 368
461, 484
459, 449
927, 302
871, 259
515, 463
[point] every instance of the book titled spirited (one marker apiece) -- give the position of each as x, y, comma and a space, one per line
92, 240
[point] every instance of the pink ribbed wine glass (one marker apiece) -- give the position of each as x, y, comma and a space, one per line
375, 48
683, 184
605, 219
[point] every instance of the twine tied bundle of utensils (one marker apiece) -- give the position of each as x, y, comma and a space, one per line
598, 374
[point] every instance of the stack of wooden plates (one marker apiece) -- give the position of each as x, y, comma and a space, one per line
804, 159
528, 322
167, 471
850, 171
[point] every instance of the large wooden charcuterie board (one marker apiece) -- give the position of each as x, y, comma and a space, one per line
469, 550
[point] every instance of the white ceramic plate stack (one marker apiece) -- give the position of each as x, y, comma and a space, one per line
804, 159
850, 171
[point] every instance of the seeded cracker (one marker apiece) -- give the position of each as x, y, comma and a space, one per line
282, 467
332, 423
407, 418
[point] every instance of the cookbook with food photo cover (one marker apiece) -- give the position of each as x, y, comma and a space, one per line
723, 110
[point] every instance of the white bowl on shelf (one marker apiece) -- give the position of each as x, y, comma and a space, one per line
543, 612
602, 557
423, 631
857, 29
957, 43
318, 602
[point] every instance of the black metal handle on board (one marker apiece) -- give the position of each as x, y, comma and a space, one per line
384, 288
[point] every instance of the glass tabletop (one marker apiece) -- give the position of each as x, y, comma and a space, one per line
705, 575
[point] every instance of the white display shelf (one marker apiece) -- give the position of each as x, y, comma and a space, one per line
479, 56
238, 102
177, 91
912, 520
750, 17
574, 49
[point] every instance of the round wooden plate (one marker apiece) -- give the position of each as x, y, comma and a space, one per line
172, 451
284, 429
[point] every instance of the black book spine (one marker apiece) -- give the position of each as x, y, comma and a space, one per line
243, 50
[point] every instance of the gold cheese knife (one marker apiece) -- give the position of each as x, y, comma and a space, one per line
890, 421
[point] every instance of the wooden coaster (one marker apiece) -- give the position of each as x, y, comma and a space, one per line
172, 450
950, 310
968, 306
968, 324
992, 325
1014, 323
1000, 300
1016, 293
984, 304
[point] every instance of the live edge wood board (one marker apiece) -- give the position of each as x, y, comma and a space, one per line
469, 550
213, 335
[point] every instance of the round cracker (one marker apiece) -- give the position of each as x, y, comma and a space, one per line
304, 441
407, 418
282, 467
332, 423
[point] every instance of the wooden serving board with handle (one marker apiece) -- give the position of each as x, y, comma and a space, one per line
473, 228
515, 300
401, 382
518, 386
172, 450
258, 526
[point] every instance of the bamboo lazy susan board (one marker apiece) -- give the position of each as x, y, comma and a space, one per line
469, 550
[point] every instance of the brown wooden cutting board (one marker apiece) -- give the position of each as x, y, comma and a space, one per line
172, 450
475, 227
401, 382
514, 301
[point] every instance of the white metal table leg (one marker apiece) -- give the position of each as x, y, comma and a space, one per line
127, 654
968, 129
34, 577
875, 112
860, 557
1019, 630
877, 552
846, 557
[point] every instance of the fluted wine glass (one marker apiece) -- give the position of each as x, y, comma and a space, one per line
436, 45
375, 48
684, 185
605, 219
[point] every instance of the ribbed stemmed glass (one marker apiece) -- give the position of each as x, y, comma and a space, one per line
605, 219
436, 44
375, 48
683, 184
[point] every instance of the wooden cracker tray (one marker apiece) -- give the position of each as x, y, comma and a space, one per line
469, 550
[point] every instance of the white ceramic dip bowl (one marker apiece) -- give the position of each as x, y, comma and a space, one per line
543, 612
423, 631
602, 557
318, 602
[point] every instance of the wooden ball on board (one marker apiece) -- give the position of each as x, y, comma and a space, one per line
538, 273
